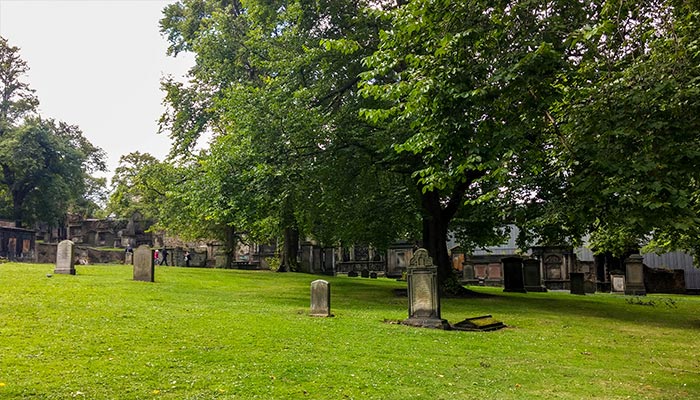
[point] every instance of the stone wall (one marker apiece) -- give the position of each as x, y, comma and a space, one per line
46, 254
657, 280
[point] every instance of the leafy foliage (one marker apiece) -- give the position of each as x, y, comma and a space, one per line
46, 165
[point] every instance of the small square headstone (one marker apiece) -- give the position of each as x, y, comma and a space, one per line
617, 283
320, 299
65, 258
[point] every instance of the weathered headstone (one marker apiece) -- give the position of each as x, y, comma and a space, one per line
423, 295
513, 274
531, 276
617, 283
352, 274
320, 299
373, 275
364, 273
65, 258
576, 283
144, 267
468, 271
634, 276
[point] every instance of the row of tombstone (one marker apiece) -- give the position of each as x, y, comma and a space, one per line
523, 275
423, 299
144, 262
423, 295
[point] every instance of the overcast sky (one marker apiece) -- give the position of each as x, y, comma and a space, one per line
97, 64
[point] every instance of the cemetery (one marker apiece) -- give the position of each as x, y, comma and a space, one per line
350, 199
215, 333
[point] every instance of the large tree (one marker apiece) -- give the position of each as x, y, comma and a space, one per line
45, 165
276, 83
465, 90
630, 124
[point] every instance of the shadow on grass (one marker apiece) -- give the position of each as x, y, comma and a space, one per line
611, 307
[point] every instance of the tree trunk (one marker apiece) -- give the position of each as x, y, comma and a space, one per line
17, 202
290, 250
229, 245
435, 224
438, 211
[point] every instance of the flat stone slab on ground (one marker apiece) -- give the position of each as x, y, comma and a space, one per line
483, 323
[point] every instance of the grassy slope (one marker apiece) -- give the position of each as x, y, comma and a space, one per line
204, 334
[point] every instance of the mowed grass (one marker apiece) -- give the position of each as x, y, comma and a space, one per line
228, 334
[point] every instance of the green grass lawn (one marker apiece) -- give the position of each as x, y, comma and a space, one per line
228, 334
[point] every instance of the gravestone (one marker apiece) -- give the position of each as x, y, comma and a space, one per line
423, 295
373, 275
513, 275
364, 273
144, 266
576, 283
617, 283
634, 276
65, 258
352, 274
532, 277
468, 271
320, 299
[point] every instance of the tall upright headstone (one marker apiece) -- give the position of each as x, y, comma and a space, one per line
634, 276
320, 298
513, 275
423, 294
576, 283
532, 276
65, 258
144, 266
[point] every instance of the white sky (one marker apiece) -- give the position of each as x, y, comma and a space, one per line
97, 64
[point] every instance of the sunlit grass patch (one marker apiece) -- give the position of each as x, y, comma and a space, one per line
225, 334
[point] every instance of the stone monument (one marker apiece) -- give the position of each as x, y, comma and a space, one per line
513, 275
617, 283
144, 267
65, 258
576, 283
531, 276
634, 276
423, 295
320, 299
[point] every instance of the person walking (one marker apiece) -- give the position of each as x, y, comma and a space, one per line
187, 258
164, 254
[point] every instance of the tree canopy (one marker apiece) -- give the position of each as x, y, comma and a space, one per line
361, 121
46, 165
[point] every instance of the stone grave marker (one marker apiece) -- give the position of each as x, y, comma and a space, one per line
144, 266
65, 258
423, 295
513, 275
576, 284
483, 323
617, 283
364, 273
634, 276
531, 276
352, 274
320, 299
373, 275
